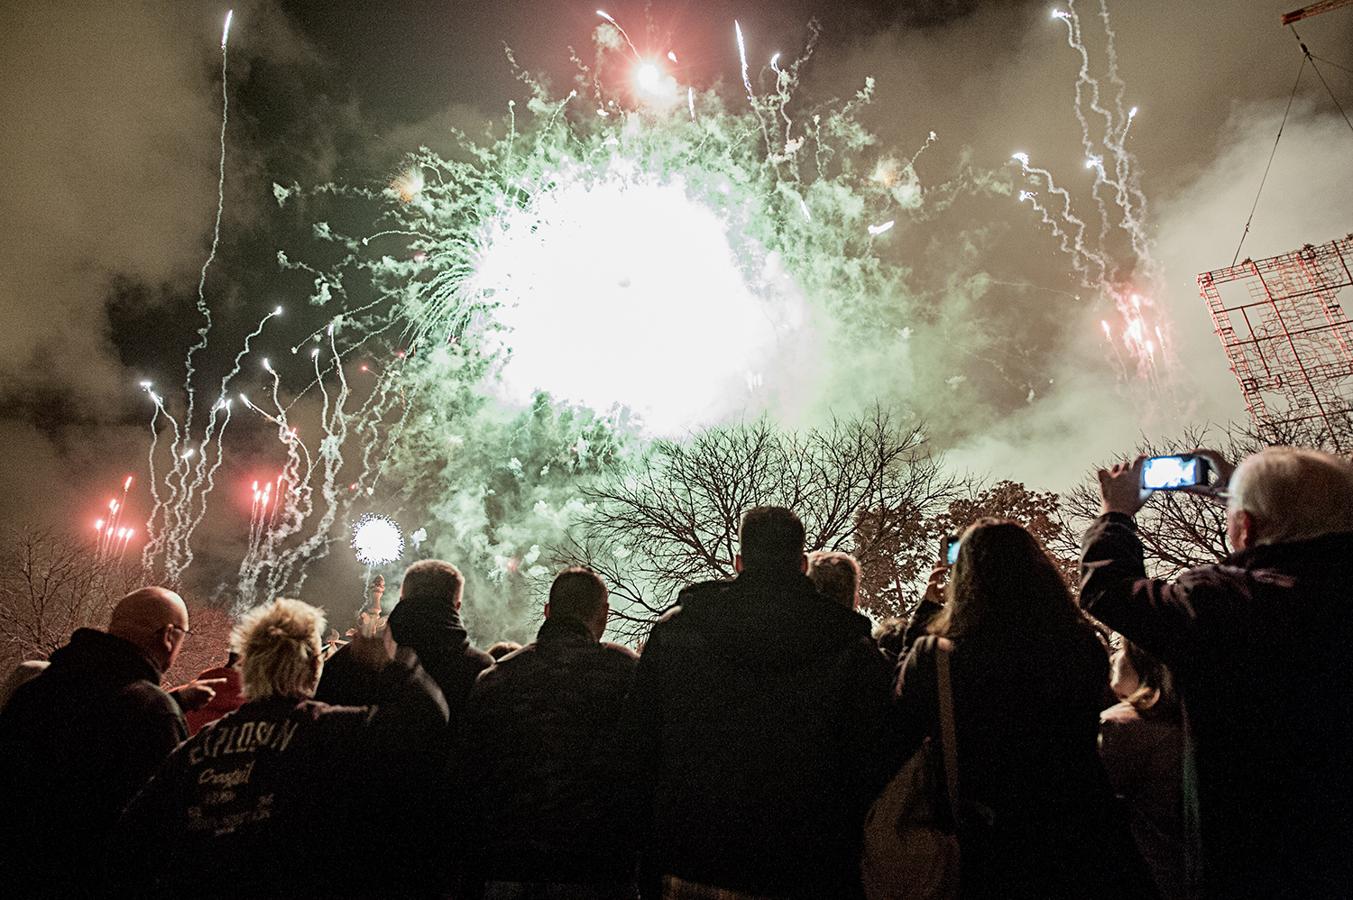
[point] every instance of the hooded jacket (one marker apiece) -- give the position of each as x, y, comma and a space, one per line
75, 744
541, 761
757, 721
429, 626
1259, 650
426, 815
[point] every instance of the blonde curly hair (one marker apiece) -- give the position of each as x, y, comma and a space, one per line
279, 648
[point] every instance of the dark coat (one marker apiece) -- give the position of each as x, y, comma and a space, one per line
284, 797
1039, 817
1143, 752
541, 761
75, 744
431, 628
757, 718
1259, 650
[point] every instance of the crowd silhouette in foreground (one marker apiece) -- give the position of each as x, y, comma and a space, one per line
1148, 738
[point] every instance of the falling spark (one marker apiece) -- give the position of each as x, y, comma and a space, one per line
607, 16
742, 55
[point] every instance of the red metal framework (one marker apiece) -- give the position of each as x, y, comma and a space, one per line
1287, 338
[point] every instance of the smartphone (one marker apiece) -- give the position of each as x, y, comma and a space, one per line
950, 549
1171, 473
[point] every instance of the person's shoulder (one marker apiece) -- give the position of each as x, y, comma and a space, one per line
694, 599
618, 655
619, 651
478, 660
1207, 585
148, 698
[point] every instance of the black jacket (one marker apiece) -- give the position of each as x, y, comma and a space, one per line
541, 761
1039, 819
1259, 649
757, 717
432, 629
284, 796
75, 744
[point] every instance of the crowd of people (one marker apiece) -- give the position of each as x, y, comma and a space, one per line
1146, 738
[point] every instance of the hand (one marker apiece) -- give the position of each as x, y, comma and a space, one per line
1216, 491
1120, 488
369, 648
198, 693
934, 585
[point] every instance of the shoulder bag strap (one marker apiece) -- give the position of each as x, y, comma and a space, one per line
948, 736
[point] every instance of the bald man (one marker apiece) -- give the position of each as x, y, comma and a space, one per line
80, 739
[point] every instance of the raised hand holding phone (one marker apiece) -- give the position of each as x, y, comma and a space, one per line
1120, 488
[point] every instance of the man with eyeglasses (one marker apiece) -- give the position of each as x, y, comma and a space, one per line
80, 739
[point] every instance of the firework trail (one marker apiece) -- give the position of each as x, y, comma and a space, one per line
169, 527
203, 308
295, 519
1125, 181
1119, 203
111, 536
1085, 83
1088, 262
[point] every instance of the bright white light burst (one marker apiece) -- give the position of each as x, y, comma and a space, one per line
619, 289
377, 540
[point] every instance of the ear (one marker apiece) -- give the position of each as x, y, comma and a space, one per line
605, 613
547, 609
1249, 527
457, 605
737, 563
803, 564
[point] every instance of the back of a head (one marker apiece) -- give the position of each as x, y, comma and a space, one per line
499, 649
1294, 493
836, 576
890, 635
1004, 584
771, 539
155, 620
280, 650
432, 579
147, 610
577, 593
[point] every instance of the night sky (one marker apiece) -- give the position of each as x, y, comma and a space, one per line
108, 178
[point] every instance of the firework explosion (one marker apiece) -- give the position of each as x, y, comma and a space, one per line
636, 258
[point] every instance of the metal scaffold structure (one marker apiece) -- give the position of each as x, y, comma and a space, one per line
1288, 339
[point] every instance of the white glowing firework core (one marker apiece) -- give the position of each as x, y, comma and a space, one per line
377, 540
625, 291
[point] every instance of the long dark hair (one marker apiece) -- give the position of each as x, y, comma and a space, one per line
1004, 583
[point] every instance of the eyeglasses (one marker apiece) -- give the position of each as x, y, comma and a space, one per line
186, 631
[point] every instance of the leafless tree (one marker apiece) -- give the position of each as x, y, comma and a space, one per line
51, 584
672, 518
